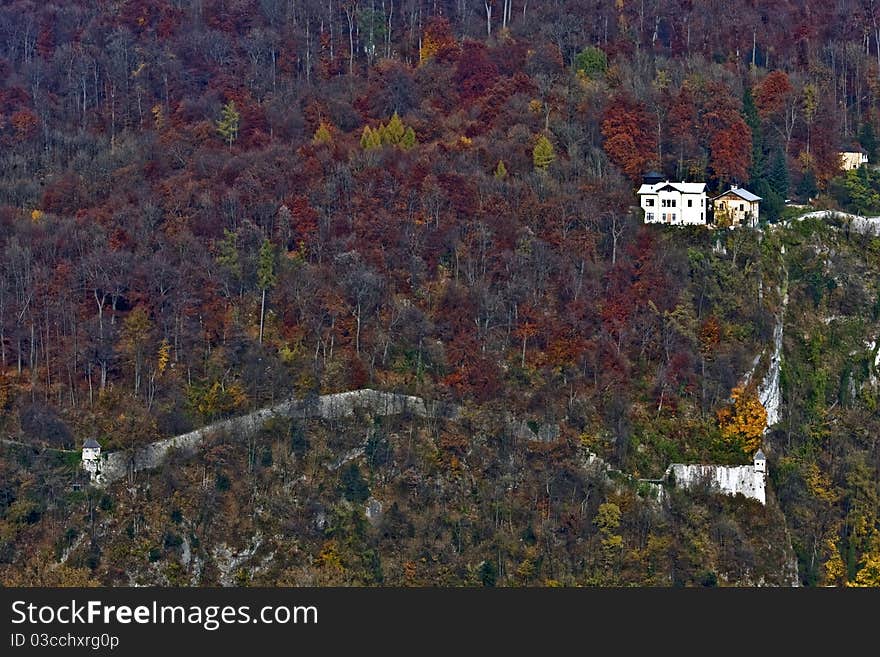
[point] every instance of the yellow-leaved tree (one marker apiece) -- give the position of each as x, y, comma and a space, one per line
322, 134
543, 155
742, 422
607, 566
227, 125
163, 356
394, 131
834, 569
136, 331
869, 570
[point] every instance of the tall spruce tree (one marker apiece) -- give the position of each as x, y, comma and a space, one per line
868, 140
750, 115
266, 277
777, 175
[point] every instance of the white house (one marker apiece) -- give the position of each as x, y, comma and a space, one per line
673, 203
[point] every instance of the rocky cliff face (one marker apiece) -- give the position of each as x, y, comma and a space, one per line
115, 466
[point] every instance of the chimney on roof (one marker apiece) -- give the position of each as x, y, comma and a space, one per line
734, 186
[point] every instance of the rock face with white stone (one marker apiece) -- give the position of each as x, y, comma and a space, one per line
373, 511
748, 480
544, 432
327, 407
769, 392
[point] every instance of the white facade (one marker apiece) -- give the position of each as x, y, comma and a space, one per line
747, 480
760, 462
674, 203
91, 459
852, 159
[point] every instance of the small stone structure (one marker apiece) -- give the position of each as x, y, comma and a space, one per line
91, 458
749, 480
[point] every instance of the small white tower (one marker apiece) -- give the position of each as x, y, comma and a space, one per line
91, 457
760, 476
760, 462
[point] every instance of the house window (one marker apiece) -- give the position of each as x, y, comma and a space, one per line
742, 207
649, 202
701, 217
701, 202
690, 203
649, 216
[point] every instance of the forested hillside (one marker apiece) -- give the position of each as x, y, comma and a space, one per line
207, 206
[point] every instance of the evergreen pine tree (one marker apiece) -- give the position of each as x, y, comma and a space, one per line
777, 175
353, 485
227, 255
807, 186
488, 574
265, 277
750, 115
868, 140
500, 170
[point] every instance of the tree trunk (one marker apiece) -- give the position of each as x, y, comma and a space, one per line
262, 314
357, 335
350, 17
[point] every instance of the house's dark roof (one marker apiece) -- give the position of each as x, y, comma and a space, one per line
683, 187
852, 148
760, 455
91, 443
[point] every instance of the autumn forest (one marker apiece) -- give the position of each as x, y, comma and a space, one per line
210, 206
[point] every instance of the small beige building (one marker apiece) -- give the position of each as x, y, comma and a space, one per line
852, 158
736, 207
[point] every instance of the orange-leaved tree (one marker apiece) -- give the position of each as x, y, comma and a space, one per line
731, 152
743, 421
630, 140
438, 41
